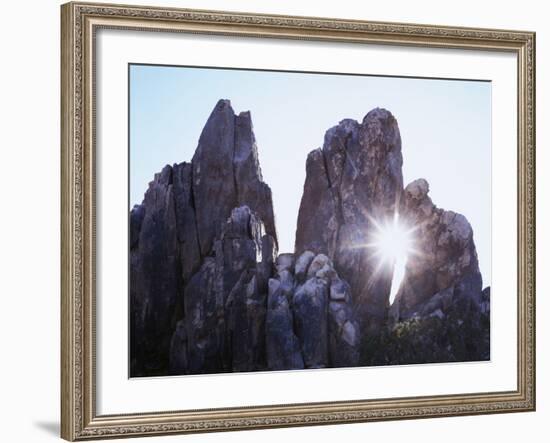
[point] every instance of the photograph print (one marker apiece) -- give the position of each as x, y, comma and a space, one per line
299, 220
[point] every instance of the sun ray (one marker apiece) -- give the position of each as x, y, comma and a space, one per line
393, 242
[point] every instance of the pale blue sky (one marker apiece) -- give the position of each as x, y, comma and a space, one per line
445, 130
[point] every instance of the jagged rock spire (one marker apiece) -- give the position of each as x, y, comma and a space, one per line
174, 228
353, 179
227, 174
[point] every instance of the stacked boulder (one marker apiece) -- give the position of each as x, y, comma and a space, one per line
246, 310
310, 317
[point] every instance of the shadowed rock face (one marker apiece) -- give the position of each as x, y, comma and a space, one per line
354, 179
210, 293
236, 320
310, 320
155, 273
172, 232
440, 309
445, 261
283, 350
225, 303
227, 174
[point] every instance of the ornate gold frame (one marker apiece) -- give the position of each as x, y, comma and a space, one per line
79, 21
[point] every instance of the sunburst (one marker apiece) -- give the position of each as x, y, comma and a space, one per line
393, 242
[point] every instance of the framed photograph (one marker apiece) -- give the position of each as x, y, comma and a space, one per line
282, 221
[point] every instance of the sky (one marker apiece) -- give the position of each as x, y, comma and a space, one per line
445, 130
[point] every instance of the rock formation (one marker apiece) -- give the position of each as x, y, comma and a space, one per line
227, 174
441, 292
173, 230
352, 182
155, 274
445, 262
209, 292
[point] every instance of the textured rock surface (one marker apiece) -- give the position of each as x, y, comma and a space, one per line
354, 179
445, 261
245, 302
156, 282
301, 326
225, 306
440, 310
310, 303
282, 346
226, 174
178, 350
173, 231
203, 307
186, 220
210, 293
233, 323
343, 330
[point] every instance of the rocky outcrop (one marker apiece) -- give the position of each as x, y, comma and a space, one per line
224, 303
440, 309
210, 293
310, 303
155, 273
283, 349
233, 322
242, 260
343, 327
444, 265
353, 181
203, 321
203, 257
310, 317
172, 232
186, 219
227, 174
